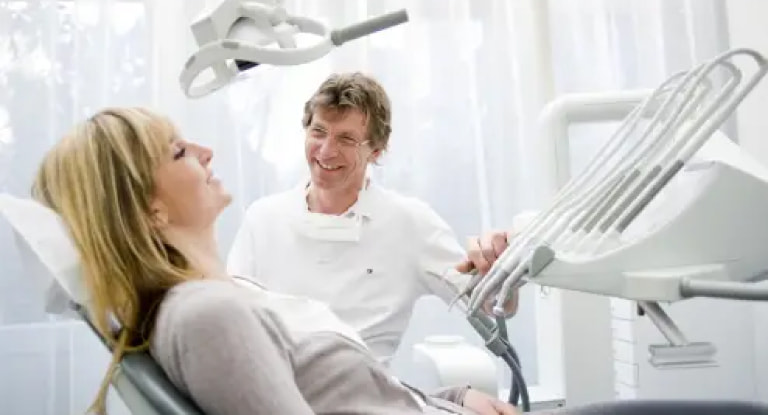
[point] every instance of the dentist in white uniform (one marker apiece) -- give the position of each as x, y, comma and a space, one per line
368, 252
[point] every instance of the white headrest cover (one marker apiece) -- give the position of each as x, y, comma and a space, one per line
44, 240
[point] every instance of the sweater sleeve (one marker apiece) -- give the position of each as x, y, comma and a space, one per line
227, 359
453, 394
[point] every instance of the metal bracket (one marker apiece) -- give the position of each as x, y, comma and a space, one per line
665, 356
542, 256
679, 353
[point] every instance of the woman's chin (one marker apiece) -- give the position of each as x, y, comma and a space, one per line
226, 200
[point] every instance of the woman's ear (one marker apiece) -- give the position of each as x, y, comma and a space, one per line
159, 214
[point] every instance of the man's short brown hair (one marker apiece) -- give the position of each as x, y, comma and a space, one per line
344, 91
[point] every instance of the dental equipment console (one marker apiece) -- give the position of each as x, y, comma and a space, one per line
237, 35
669, 209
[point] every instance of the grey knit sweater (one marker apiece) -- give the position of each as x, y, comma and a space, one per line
232, 355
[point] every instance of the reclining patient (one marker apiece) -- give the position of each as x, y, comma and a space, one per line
140, 204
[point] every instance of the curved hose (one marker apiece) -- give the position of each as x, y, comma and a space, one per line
495, 335
516, 386
517, 380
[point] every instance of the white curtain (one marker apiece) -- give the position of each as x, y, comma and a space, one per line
465, 95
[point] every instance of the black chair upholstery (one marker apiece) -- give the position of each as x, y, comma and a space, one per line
668, 407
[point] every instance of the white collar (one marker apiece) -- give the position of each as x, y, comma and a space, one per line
364, 206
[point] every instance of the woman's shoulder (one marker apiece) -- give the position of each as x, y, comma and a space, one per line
187, 302
199, 319
202, 305
207, 310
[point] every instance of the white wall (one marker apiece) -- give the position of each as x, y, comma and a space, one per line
748, 28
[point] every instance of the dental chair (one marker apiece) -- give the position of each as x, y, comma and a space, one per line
145, 389
141, 383
138, 379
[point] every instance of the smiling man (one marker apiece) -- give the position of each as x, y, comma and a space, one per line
367, 252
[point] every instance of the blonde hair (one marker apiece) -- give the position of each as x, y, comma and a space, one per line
100, 180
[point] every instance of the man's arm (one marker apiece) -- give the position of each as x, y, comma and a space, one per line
438, 255
446, 266
453, 394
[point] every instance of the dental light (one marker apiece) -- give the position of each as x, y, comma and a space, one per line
668, 209
237, 35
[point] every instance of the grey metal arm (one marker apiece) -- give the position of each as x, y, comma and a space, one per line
748, 291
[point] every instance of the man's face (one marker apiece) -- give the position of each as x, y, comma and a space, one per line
337, 148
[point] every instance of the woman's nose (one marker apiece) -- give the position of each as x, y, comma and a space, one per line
204, 154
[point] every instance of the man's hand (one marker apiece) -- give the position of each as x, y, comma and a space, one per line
485, 404
481, 254
484, 251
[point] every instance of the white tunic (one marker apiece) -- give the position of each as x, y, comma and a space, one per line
370, 264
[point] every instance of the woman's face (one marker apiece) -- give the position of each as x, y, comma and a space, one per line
187, 195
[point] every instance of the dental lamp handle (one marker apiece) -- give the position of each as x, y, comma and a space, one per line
367, 27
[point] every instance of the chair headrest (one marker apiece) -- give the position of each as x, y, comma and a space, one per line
44, 243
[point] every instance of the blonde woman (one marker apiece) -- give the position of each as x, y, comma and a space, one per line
140, 203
